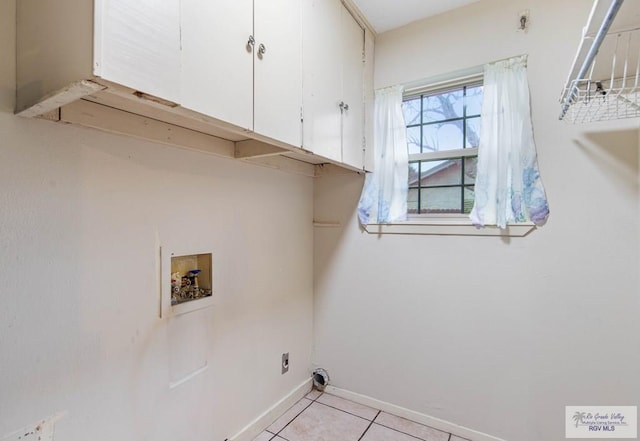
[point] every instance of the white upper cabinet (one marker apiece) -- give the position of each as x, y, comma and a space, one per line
369, 157
352, 91
286, 73
217, 59
333, 82
66, 48
137, 44
322, 83
278, 70
243, 65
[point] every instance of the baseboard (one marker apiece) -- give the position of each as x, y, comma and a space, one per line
254, 428
436, 423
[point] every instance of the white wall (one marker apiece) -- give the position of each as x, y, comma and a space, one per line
496, 335
81, 216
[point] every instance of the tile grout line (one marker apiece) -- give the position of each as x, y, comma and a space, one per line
349, 413
371, 422
291, 420
413, 436
315, 401
420, 424
277, 433
369, 426
388, 427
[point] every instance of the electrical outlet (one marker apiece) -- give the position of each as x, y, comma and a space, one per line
285, 363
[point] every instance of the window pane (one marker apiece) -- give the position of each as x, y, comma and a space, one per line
411, 110
470, 170
414, 172
447, 172
413, 140
443, 106
443, 122
443, 136
473, 132
474, 100
412, 201
441, 200
469, 195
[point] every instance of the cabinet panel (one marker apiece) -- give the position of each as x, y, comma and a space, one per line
278, 72
137, 44
369, 46
217, 62
352, 90
322, 80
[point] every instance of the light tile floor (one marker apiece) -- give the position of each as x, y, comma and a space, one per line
323, 417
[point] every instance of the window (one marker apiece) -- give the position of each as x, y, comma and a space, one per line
443, 128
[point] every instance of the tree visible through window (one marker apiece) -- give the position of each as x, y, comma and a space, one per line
443, 133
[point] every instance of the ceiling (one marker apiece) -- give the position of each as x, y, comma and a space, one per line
384, 15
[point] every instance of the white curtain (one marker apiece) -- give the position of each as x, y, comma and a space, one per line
508, 186
384, 196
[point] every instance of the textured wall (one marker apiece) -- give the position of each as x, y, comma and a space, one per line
493, 334
82, 214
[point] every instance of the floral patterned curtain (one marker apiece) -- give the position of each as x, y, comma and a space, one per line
508, 186
384, 196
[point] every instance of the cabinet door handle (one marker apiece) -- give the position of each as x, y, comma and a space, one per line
261, 50
343, 106
251, 43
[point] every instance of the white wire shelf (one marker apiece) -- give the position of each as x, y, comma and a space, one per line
612, 89
604, 81
598, 101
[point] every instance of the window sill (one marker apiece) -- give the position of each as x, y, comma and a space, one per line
448, 226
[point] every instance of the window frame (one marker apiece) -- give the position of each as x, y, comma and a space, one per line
448, 224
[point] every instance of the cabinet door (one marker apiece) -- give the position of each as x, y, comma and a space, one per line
217, 61
278, 72
369, 157
137, 44
352, 90
322, 78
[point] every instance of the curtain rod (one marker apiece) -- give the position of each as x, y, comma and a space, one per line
462, 76
452, 82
